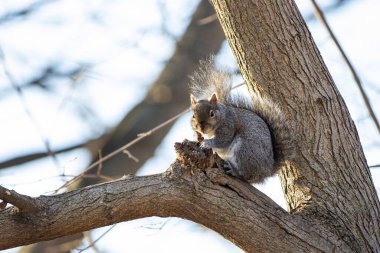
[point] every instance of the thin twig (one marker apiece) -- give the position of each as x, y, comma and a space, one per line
34, 156
129, 154
374, 166
350, 66
21, 95
97, 239
157, 226
165, 24
238, 85
128, 145
104, 178
88, 235
75, 80
39, 180
24, 203
119, 150
100, 167
207, 20
22, 12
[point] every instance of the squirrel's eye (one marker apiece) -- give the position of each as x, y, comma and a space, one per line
212, 113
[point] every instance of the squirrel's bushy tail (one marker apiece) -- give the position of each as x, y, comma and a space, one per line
208, 80
282, 141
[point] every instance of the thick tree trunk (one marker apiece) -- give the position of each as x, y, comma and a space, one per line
330, 180
332, 201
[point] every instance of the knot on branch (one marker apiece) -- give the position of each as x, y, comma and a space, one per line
201, 161
3, 204
194, 159
193, 156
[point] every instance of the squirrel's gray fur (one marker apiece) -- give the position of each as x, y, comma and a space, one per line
253, 138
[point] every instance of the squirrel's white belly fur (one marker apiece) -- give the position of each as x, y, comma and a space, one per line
250, 135
228, 154
209, 136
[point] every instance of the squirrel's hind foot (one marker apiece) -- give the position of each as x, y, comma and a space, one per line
229, 169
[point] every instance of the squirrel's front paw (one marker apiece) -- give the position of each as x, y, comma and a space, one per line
200, 138
228, 171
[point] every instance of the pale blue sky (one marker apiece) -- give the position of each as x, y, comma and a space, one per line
124, 61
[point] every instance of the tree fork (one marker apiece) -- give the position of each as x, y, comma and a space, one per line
330, 181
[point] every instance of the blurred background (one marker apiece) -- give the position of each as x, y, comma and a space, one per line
80, 79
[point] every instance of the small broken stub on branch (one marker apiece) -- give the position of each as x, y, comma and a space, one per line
192, 155
3, 204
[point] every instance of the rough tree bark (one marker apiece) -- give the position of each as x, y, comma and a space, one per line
332, 201
330, 182
191, 190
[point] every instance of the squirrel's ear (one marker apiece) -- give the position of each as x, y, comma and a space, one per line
214, 99
193, 100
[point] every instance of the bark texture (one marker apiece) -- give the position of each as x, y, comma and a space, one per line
330, 180
332, 201
233, 208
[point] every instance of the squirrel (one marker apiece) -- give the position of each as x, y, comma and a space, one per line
251, 137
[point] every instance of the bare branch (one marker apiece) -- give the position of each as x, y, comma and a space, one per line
27, 111
22, 12
89, 144
100, 167
293, 77
332, 6
233, 208
126, 146
92, 244
24, 203
349, 64
209, 19
134, 158
90, 240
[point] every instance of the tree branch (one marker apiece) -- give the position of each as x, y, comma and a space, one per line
24, 203
329, 180
93, 145
23, 12
354, 73
190, 190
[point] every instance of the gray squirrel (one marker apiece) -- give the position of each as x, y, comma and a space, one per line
251, 137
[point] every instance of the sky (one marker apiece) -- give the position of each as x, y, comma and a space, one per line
117, 41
